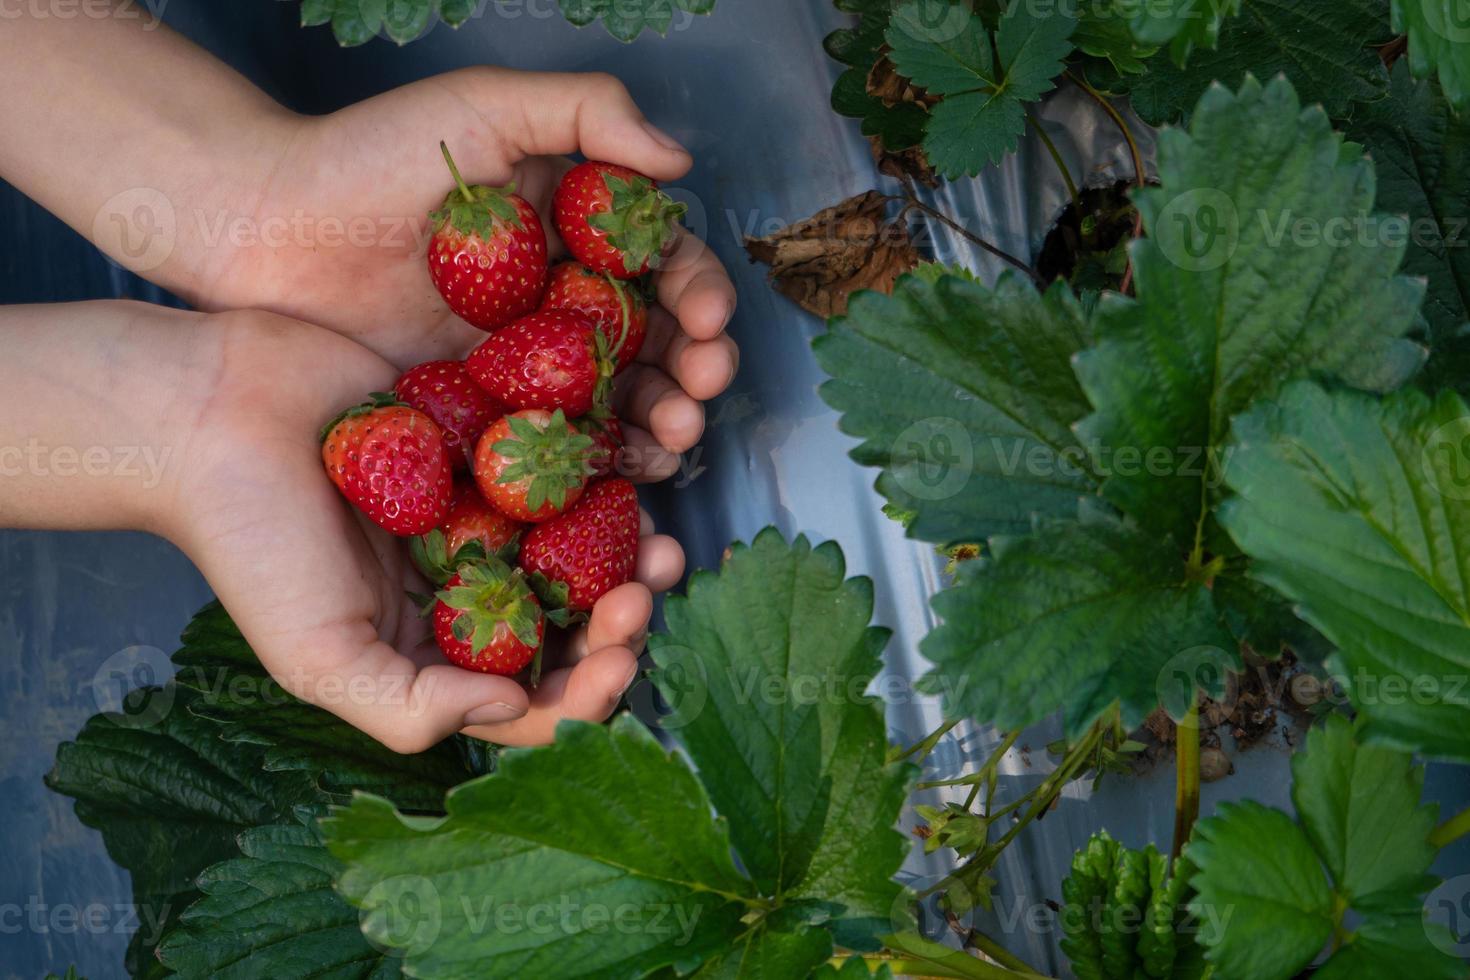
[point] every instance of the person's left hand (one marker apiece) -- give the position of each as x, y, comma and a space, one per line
349, 202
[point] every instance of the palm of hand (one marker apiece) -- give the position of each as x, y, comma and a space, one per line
356, 202
321, 594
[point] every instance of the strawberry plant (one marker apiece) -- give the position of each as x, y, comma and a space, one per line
1251, 450
355, 22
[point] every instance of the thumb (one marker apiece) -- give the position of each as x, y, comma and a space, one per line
387, 695
548, 114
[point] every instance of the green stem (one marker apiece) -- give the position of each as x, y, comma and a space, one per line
997, 952
1139, 175
1118, 120
1451, 830
458, 180
1061, 164
987, 772
911, 202
1186, 786
925, 746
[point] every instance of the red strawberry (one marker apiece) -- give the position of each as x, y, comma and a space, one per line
592, 548
608, 302
613, 219
532, 465
472, 531
389, 461
487, 619
445, 392
470, 518
607, 444
488, 254
550, 360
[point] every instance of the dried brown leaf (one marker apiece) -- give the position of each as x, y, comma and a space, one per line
818, 263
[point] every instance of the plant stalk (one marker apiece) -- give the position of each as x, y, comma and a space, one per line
1451, 830
912, 203
1186, 787
1056, 157
1139, 175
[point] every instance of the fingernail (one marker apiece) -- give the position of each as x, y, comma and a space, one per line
493, 713
662, 138
632, 676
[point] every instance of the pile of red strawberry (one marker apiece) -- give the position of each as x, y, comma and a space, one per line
502, 466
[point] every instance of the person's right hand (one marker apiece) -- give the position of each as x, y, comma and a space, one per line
319, 592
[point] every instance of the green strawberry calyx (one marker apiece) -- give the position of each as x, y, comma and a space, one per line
490, 594
376, 400
475, 209
641, 221
430, 554
554, 458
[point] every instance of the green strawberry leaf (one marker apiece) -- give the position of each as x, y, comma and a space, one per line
983, 112
582, 825
1270, 891
1077, 615
965, 396
1358, 510
272, 912
169, 796
1182, 24
1439, 44
1323, 46
250, 708
852, 968
1235, 297
897, 127
1421, 150
767, 662
939, 960
626, 19
1103, 31
779, 945
1258, 863
356, 22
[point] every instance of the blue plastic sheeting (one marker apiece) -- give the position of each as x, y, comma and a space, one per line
745, 90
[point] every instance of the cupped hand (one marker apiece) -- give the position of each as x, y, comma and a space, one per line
321, 594
355, 188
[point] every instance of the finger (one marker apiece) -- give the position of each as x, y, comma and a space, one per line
590, 691
693, 285
546, 113
645, 523
650, 399
620, 618
350, 672
660, 562
703, 368
643, 459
